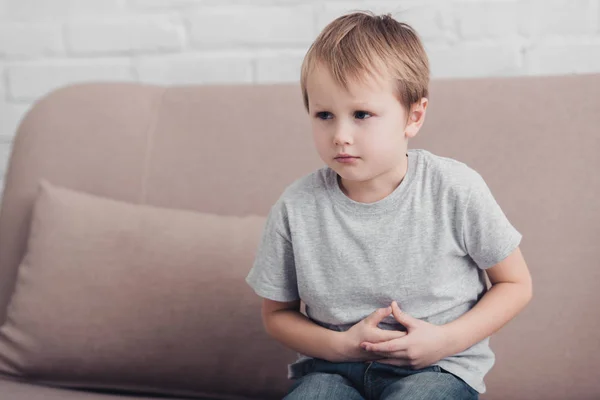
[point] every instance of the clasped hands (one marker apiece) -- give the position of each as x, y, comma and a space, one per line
422, 345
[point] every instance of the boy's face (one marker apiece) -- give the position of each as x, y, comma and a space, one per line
366, 122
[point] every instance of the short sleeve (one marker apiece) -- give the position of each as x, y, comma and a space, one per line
488, 235
273, 275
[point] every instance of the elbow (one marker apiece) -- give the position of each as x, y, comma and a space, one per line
270, 321
527, 291
274, 315
266, 321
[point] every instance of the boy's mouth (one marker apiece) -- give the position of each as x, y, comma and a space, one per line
345, 158
344, 155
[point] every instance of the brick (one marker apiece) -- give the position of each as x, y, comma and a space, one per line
27, 40
140, 34
563, 58
465, 60
258, 25
558, 17
167, 4
3, 81
10, 113
195, 69
6, 144
48, 10
279, 68
489, 19
29, 81
430, 20
10, 117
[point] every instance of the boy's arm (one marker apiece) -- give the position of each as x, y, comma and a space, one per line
426, 343
284, 322
510, 292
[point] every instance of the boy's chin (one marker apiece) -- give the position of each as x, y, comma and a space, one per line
354, 173
351, 176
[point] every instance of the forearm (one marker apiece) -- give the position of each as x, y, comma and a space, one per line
494, 310
296, 331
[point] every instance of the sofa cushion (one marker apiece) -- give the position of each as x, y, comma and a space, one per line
139, 298
12, 390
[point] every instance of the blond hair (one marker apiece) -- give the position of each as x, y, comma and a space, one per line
363, 44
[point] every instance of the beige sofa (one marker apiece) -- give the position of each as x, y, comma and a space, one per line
229, 151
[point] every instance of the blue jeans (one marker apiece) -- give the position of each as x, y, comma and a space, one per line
376, 381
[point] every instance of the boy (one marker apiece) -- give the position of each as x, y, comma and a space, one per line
386, 247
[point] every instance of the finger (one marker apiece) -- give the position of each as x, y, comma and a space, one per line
378, 315
383, 335
396, 354
389, 346
399, 362
385, 354
402, 317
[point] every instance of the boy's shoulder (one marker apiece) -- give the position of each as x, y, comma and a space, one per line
306, 187
448, 173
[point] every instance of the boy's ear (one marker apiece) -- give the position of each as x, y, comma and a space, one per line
416, 117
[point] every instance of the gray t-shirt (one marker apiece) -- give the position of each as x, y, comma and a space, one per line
425, 246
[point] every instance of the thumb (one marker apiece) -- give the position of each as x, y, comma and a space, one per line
378, 315
402, 317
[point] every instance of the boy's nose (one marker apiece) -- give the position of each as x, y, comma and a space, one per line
342, 137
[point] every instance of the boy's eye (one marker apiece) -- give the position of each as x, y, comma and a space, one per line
324, 115
362, 115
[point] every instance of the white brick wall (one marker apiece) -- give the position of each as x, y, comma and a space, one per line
129, 35
250, 26
193, 68
45, 44
28, 80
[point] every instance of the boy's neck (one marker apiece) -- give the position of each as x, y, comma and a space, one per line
377, 188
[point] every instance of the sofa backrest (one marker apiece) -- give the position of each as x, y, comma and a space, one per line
233, 149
